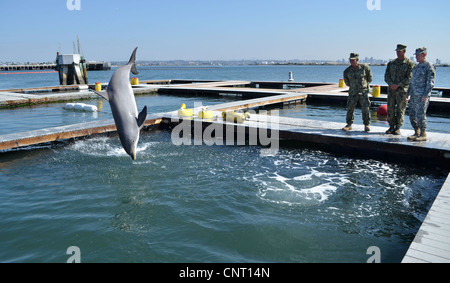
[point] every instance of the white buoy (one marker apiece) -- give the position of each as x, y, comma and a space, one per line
90, 108
291, 77
83, 88
69, 106
79, 106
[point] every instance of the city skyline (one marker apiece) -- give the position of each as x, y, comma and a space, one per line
343, 61
33, 31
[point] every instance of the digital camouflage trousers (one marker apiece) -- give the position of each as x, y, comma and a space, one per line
352, 102
397, 104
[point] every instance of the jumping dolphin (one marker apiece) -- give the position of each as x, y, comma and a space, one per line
123, 106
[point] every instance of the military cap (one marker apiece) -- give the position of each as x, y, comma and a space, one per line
421, 50
401, 47
354, 56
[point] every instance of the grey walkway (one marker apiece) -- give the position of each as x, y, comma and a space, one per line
432, 241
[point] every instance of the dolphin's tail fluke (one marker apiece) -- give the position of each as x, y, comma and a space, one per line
133, 62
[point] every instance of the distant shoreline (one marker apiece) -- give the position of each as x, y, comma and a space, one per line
326, 64
211, 64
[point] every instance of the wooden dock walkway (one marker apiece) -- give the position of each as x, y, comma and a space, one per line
432, 241
330, 137
56, 134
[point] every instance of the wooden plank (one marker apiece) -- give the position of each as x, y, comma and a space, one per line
54, 134
257, 102
432, 241
218, 90
52, 88
18, 140
417, 256
8, 99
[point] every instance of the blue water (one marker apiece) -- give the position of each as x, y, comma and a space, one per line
321, 74
206, 204
201, 203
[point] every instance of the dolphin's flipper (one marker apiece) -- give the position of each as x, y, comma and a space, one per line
133, 62
141, 118
103, 94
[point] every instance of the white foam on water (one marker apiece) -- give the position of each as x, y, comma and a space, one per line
300, 190
104, 146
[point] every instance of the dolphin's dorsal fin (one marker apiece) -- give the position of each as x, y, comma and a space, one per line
103, 94
133, 62
141, 118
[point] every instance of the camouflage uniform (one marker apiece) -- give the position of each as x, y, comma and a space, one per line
422, 83
398, 72
358, 80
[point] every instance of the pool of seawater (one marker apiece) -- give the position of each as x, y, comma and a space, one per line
206, 204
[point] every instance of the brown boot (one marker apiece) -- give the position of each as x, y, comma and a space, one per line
397, 131
347, 128
390, 131
415, 136
422, 137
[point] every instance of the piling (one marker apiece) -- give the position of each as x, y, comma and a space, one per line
72, 69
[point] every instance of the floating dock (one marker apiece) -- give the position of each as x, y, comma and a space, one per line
28, 67
432, 241
91, 66
315, 92
56, 134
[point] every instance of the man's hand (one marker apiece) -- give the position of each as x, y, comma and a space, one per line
394, 87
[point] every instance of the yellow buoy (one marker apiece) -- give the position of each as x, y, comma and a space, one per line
134, 81
98, 87
376, 91
341, 83
183, 112
206, 114
233, 117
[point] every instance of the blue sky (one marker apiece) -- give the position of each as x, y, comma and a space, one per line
33, 30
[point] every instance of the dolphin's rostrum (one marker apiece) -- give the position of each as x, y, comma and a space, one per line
123, 106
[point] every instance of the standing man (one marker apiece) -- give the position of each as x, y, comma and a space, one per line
357, 77
398, 76
419, 91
